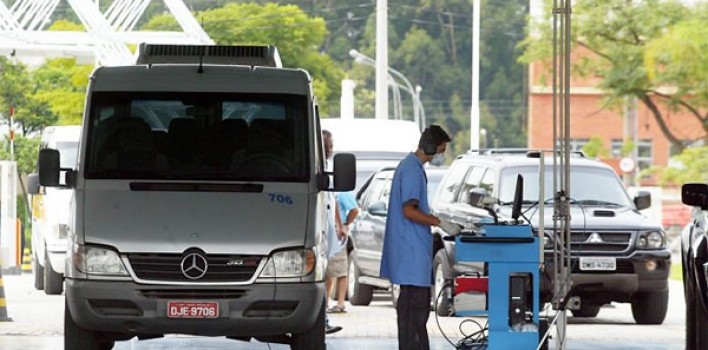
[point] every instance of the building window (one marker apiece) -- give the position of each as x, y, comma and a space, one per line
645, 152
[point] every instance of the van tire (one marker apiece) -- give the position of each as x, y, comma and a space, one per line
77, 338
38, 271
53, 282
442, 306
313, 338
359, 294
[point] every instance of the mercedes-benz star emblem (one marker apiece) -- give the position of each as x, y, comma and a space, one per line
194, 266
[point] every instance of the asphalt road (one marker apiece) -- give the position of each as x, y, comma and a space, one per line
37, 324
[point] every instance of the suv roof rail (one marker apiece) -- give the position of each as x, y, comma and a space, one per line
213, 54
528, 152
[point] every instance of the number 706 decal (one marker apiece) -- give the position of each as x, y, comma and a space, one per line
280, 198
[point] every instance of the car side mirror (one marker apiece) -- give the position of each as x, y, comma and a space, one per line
377, 208
695, 195
642, 200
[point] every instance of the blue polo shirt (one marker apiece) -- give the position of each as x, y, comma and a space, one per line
407, 257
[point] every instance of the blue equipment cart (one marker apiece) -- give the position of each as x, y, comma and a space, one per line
513, 257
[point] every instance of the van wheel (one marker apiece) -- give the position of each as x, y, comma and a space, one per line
77, 338
359, 294
313, 338
38, 272
650, 307
53, 282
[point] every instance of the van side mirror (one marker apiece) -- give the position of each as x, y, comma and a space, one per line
642, 200
344, 172
49, 168
33, 183
695, 195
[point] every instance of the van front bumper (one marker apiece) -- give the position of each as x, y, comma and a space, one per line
253, 310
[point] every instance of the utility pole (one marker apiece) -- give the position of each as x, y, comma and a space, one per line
381, 106
474, 112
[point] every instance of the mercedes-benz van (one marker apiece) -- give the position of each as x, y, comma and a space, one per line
199, 201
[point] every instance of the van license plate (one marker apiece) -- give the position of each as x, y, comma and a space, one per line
598, 264
188, 309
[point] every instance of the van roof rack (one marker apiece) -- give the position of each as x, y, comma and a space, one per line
209, 54
527, 152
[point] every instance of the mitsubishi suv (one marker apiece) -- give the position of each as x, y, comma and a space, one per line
617, 255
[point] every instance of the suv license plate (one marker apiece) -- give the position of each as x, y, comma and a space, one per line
598, 264
188, 309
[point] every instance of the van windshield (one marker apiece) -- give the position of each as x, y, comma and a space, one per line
197, 136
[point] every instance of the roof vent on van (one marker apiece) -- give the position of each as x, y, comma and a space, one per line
209, 54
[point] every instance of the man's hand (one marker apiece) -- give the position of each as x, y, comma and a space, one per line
342, 232
451, 228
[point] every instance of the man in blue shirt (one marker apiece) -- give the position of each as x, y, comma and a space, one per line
407, 257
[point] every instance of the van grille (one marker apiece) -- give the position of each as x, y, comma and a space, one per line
221, 268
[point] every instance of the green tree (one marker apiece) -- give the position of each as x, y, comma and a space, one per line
691, 165
635, 52
26, 150
595, 148
296, 35
61, 84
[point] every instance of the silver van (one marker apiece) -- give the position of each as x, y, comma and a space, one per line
199, 201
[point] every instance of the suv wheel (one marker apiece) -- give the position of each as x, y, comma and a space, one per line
53, 282
441, 303
38, 271
650, 307
586, 311
359, 294
76, 337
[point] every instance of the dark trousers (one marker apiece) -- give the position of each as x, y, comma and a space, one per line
413, 310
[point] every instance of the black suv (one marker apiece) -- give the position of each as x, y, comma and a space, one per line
694, 256
615, 251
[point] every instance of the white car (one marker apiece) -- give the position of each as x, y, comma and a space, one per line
50, 213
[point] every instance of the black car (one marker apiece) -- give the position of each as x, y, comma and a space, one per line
617, 255
694, 256
366, 235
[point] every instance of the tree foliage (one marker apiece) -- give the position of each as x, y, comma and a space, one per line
628, 42
296, 35
691, 165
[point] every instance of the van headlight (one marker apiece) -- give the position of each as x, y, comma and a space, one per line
289, 263
651, 240
98, 260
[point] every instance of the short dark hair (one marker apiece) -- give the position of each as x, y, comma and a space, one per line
433, 133
326, 133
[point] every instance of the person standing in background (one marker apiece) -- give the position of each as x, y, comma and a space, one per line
337, 268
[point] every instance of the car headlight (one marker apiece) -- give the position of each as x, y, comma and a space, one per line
651, 240
97, 260
289, 263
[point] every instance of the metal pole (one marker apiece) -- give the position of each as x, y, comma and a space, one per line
474, 112
381, 106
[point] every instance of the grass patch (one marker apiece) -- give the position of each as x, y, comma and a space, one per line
676, 271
